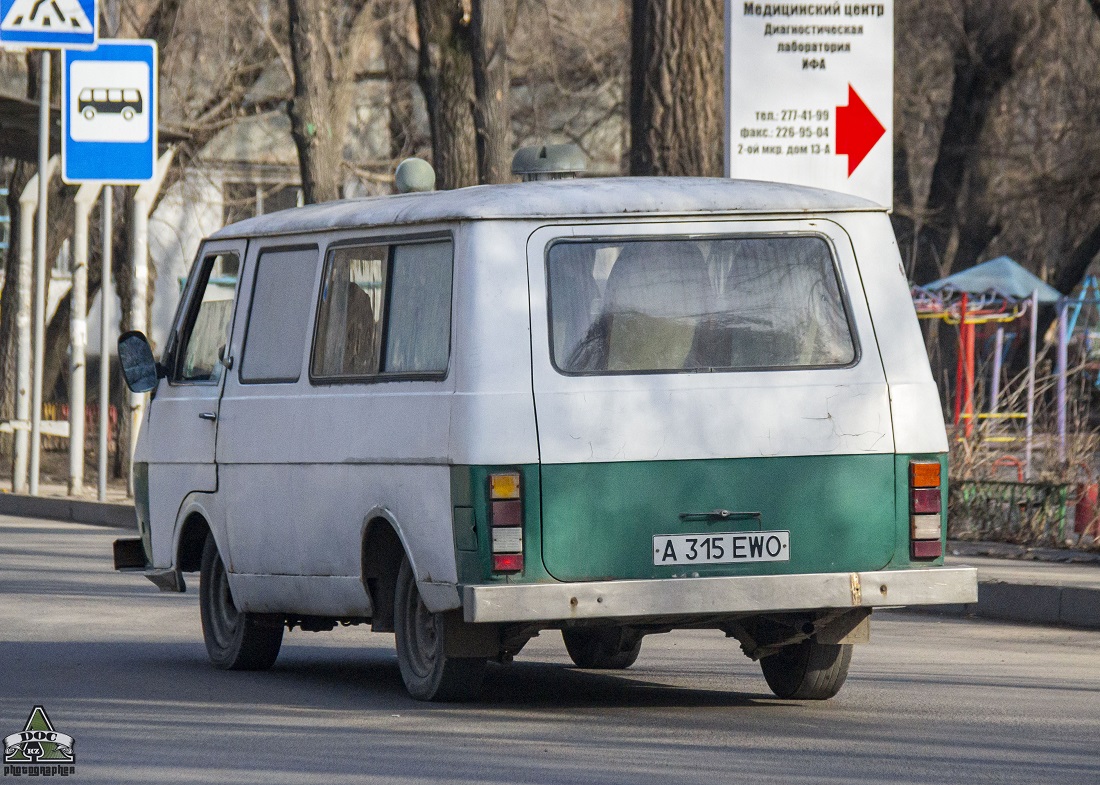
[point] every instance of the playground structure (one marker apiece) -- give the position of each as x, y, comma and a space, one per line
994, 306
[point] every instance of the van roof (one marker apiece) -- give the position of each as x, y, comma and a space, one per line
611, 197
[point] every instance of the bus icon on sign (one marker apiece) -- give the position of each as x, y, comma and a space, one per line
95, 100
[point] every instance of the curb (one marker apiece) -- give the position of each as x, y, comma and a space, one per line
119, 516
1069, 606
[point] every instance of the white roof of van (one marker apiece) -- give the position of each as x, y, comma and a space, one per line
580, 198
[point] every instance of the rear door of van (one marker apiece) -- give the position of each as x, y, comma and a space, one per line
710, 400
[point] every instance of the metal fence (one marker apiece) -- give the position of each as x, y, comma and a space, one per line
60, 411
1032, 513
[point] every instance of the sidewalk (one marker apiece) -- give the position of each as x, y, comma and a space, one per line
1032, 585
54, 503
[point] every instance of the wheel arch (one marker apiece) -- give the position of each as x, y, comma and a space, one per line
193, 525
383, 545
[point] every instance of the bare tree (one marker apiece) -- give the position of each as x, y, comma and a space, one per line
326, 40
981, 42
445, 74
492, 23
676, 87
570, 67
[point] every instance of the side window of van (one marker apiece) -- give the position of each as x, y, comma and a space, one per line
384, 310
279, 314
206, 330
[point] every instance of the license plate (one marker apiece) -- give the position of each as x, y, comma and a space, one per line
722, 548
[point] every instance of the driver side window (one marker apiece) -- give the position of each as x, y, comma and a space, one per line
207, 327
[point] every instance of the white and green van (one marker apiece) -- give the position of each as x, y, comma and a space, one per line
611, 407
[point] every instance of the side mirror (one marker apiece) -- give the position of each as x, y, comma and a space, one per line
138, 366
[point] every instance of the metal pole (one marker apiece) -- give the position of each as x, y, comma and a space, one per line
139, 243
28, 203
995, 382
1032, 341
1062, 372
139, 290
40, 271
78, 336
106, 298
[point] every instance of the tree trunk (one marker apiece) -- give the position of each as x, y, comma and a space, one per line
676, 87
979, 78
491, 25
395, 53
324, 46
445, 74
9, 304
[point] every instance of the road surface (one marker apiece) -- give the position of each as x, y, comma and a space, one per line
121, 668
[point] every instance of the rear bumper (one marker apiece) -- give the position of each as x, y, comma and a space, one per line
715, 596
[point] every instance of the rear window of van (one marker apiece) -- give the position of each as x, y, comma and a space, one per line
667, 305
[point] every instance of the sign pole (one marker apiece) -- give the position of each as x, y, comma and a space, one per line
106, 297
78, 335
40, 270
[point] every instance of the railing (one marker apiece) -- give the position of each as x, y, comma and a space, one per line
59, 412
1032, 513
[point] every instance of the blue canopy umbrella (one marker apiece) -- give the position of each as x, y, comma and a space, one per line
1001, 276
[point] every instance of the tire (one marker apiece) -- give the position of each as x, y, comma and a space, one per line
808, 670
127, 114
89, 113
428, 673
602, 648
235, 641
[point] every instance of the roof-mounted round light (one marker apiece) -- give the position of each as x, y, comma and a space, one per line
549, 162
414, 175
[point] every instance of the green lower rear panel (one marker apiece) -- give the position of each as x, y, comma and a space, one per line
598, 519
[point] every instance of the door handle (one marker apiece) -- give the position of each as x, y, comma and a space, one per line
715, 516
212, 416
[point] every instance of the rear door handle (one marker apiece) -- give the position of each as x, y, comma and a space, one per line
719, 515
212, 416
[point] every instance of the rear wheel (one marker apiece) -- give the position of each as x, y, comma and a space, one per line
808, 670
602, 648
235, 640
429, 674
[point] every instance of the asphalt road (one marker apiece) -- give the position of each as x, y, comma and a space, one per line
122, 668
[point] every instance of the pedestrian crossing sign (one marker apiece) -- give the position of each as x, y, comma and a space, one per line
49, 24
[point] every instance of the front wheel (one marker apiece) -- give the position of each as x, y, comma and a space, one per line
808, 670
235, 640
429, 674
602, 648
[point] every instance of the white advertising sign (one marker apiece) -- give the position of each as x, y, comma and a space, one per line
810, 96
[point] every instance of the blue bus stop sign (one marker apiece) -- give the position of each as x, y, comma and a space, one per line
49, 24
109, 113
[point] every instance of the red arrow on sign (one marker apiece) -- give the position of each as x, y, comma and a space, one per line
857, 130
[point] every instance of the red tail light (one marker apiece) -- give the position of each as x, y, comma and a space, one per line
507, 562
925, 504
506, 521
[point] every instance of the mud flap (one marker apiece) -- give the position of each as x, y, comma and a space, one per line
461, 639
